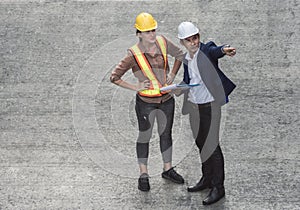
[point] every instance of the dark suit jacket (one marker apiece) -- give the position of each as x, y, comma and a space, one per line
215, 80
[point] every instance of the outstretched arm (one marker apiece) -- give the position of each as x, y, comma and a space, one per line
219, 51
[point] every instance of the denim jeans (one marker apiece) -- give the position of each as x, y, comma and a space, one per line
146, 114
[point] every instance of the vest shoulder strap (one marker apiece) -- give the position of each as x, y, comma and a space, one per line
163, 47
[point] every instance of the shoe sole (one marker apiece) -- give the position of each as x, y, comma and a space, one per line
206, 204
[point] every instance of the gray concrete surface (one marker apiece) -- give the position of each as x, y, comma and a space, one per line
68, 135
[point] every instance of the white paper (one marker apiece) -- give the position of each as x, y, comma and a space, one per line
169, 87
178, 86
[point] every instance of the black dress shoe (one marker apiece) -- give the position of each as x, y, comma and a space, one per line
214, 195
203, 184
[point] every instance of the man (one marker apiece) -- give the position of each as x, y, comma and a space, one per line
203, 104
148, 60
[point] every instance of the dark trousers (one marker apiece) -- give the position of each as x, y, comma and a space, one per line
146, 114
205, 123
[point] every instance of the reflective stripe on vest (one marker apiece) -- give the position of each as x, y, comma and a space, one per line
144, 65
163, 47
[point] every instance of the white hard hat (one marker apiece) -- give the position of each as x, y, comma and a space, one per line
187, 29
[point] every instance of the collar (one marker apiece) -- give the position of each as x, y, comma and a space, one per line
188, 57
143, 49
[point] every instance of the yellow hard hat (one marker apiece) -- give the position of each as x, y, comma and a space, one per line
145, 22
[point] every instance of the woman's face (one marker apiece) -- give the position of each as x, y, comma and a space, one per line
148, 37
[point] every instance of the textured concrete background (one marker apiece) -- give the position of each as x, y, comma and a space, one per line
68, 135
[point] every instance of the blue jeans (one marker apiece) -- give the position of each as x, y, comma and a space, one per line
146, 114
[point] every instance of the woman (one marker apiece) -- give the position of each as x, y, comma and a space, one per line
148, 60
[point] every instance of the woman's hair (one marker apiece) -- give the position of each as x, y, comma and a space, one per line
138, 32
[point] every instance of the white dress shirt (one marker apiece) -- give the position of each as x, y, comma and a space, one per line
198, 94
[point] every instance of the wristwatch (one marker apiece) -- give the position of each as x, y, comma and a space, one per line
222, 49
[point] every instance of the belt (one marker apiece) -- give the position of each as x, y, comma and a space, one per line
198, 106
204, 105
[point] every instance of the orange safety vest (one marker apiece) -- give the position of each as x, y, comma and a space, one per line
154, 90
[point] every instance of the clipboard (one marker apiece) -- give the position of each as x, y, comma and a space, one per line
178, 86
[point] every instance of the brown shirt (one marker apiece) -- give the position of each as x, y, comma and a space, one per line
157, 63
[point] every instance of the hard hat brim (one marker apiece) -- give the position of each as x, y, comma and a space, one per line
146, 29
188, 35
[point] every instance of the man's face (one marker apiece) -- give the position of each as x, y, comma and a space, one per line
192, 43
148, 36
